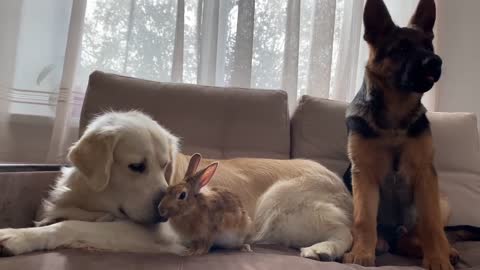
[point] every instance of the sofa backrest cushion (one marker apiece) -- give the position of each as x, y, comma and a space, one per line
319, 133
216, 122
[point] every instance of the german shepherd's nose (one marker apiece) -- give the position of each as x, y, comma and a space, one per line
433, 62
433, 67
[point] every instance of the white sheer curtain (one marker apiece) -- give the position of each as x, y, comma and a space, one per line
302, 46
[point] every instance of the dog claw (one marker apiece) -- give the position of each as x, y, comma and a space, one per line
363, 259
437, 264
454, 256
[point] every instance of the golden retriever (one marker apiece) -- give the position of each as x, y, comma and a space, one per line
121, 168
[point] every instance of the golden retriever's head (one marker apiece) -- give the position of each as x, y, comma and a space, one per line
128, 158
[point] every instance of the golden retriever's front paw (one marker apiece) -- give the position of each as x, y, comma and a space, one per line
360, 258
179, 250
16, 242
437, 264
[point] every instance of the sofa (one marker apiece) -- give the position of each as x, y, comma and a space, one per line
224, 123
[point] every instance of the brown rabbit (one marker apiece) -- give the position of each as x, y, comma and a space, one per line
204, 219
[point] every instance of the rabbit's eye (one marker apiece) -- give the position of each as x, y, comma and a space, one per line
137, 167
182, 196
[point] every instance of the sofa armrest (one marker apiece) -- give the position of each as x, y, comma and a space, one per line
22, 188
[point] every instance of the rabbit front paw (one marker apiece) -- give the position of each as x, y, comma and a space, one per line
246, 248
195, 250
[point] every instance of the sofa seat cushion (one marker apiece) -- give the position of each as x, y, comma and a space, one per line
217, 122
20, 195
319, 133
262, 258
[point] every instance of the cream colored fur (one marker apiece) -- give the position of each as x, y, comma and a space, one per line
297, 203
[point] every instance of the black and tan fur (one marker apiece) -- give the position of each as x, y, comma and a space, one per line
393, 178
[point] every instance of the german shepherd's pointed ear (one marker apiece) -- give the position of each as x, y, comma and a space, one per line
424, 17
377, 21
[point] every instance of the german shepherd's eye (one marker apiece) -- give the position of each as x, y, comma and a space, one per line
182, 196
137, 167
402, 47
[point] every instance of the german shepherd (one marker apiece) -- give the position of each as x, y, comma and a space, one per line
393, 179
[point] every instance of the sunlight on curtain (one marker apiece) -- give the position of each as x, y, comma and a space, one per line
129, 37
309, 47
291, 45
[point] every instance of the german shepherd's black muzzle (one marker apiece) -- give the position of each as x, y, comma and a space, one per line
421, 71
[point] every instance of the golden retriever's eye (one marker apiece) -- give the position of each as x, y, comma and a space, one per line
182, 196
137, 167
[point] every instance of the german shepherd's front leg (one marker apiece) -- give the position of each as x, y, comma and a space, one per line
417, 165
365, 198
369, 168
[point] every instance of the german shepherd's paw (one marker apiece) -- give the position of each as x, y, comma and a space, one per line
437, 264
360, 258
454, 256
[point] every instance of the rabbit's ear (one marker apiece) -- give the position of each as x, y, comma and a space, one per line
204, 176
193, 164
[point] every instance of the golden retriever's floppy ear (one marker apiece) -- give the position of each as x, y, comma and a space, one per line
92, 155
170, 168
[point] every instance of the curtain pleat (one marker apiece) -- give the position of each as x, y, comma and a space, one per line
344, 85
221, 43
319, 70
177, 65
62, 127
128, 34
242, 67
290, 58
208, 42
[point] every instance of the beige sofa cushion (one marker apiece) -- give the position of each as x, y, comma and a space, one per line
20, 195
217, 122
319, 133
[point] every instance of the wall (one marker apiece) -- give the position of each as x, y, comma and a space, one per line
10, 13
458, 43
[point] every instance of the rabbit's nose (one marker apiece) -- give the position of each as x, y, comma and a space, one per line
162, 212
